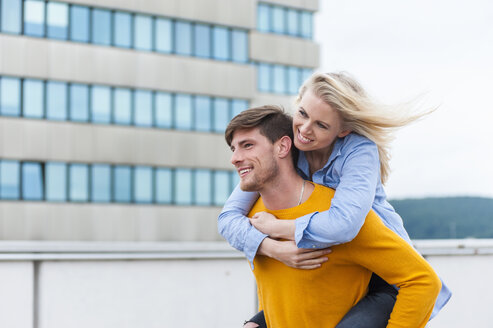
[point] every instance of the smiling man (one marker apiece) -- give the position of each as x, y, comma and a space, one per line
261, 142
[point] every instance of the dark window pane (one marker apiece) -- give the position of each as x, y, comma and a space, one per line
32, 181
122, 27
183, 187
11, 16
293, 19
183, 112
122, 184
264, 77
10, 96
202, 38
9, 179
33, 98
306, 24
203, 113
221, 39
79, 102
203, 187
294, 74
221, 114
279, 78
237, 106
122, 106
101, 183
143, 184
79, 182
56, 182
101, 27
164, 185
56, 100
278, 20
263, 17
34, 18
143, 32
163, 35
240, 46
100, 104
79, 23
57, 20
221, 187
143, 108
163, 111
183, 38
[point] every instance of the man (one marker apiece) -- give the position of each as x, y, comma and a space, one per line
261, 142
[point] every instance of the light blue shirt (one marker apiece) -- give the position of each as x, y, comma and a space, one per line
353, 171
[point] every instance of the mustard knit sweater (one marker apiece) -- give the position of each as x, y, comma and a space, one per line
321, 297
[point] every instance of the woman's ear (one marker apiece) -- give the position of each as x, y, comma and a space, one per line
344, 133
284, 146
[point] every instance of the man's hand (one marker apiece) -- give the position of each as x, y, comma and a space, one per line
288, 253
275, 228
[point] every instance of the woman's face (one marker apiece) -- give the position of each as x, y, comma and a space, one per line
316, 125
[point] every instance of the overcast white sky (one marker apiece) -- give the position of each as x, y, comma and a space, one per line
441, 48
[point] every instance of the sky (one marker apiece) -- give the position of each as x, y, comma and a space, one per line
438, 52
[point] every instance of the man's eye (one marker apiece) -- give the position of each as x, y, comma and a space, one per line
248, 145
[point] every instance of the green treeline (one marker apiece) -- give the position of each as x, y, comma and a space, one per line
450, 217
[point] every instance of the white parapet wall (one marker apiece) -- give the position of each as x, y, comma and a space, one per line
97, 284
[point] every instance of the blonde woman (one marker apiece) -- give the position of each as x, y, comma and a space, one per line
343, 140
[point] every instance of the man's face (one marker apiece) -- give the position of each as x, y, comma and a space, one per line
254, 159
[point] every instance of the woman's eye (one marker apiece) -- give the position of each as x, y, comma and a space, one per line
322, 126
302, 113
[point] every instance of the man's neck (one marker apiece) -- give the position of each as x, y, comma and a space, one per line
283, 192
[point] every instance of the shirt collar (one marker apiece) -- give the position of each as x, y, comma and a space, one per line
303, 165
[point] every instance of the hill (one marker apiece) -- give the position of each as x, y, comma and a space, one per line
449, 217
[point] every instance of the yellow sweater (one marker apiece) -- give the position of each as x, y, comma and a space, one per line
321, 297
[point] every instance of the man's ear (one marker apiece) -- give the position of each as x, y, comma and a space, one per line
284, 146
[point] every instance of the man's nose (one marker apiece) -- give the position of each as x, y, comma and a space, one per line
235, 157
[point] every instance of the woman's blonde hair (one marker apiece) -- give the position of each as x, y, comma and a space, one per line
360, 113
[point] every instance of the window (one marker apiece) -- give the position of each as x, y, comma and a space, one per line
239, 39
57, 19
203, 113
143, 32
293, 22
79, 102
279, 78
56, 101
79, 182
34, 18
33, 98
235, 180
100, 104
10, 96
263, 17
293, 80
122, 104
306, 24
11, 16
101, 27
203, 187
164, 186
202, 39
163, 110
237, 106
278, 20
183, 38
79, 23
143, 108
221, 41
163, 35
305, 74
101, 183
122, 27
183, 112
264, 77
183, 187
221, 187
56, 181
221, 114
122, 184
32, 181
9, 179
143, 184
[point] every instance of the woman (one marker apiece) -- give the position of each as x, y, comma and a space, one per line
343, 137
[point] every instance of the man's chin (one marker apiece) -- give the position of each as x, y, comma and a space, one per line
247, 187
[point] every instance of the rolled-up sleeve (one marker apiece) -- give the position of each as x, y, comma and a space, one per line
235, 227
359, 172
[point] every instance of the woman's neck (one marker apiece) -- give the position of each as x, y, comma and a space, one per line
318, 158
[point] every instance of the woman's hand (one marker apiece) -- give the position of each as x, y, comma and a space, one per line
272, 226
